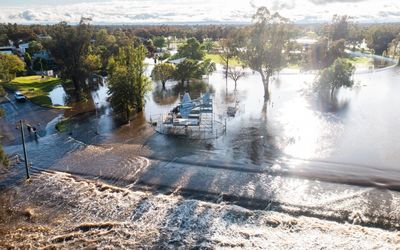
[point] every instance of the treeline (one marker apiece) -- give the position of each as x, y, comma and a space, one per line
16, 33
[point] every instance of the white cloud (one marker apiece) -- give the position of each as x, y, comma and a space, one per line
195, 11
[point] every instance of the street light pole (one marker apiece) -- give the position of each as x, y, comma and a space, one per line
21, 123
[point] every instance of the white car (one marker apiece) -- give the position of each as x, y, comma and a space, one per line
19, 97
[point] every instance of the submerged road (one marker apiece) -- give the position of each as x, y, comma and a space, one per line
337, 161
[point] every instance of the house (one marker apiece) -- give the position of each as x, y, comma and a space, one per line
43, 54
8, 50
177, 61
23, 47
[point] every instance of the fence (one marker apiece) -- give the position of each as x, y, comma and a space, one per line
207, 127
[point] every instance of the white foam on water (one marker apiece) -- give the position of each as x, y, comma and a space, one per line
69, 212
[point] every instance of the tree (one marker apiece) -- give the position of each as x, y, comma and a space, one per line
235, 74
70, 48
159, 42
93, 62
379, 38
151, 49
186, 70
264, 52
228, 52
339, 28
10, 65
208, 45
34, 47
207, 67
128, 83
338, 75
163, 72
191, 50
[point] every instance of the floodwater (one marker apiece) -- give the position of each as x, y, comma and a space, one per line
299, 155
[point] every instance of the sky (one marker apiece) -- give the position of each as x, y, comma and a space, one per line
193, 11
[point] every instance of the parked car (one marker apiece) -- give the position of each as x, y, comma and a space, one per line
19, 97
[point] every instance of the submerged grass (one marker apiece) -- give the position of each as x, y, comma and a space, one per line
63, 125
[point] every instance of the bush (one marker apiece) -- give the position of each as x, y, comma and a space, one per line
4, 158
63, 124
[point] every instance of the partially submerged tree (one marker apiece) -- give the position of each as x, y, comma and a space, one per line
379, 38
10, 65
338, 75
264, 52
186, 70
163, 72
235, 73
228, 52
128, 83
70, 48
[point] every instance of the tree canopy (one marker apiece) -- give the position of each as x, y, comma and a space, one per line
128, 84
191, 49
70, 48
10, 65
264, 51
159, 42
163, 72
186, 70
338, 75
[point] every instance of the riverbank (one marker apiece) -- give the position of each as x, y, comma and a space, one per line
57, 210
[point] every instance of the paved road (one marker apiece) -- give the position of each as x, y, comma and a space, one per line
14, 111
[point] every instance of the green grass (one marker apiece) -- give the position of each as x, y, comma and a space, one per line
359, 60
36, 89
63, 125
42, 100
217, 59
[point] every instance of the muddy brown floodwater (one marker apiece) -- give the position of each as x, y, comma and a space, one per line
303, 174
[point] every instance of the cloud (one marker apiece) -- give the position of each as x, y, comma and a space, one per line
193, 11
335, 1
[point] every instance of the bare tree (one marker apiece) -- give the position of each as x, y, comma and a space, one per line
235, 73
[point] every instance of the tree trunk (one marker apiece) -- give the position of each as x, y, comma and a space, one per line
163, 84
398, 64
128, 113
265, 80
332, 94
235, 85
226, 75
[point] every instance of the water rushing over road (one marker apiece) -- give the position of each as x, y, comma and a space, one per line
302, 156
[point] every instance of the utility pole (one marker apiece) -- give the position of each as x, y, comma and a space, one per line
21, 125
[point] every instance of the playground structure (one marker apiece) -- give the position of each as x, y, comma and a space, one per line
193, 119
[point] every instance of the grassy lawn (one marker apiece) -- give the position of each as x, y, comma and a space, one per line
36, 89
359, 60
217, 59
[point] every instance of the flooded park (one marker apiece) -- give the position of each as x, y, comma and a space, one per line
298, 155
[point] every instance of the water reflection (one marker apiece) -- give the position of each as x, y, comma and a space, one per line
58, 96
298, 129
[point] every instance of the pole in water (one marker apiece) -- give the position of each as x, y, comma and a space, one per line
21, 123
